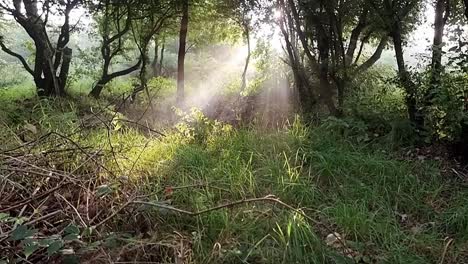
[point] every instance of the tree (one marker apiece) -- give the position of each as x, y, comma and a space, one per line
182, 51
399, 17
51, 59
211, 21
301, 81
151, 18
242, 11
442, 12
115, 21
328, 34
246, 27
466, 8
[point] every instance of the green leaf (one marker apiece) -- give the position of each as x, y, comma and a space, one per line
71, 229
103, 190
4, 216
46, 242
29, 249
70, 237
111, 242
22, 232
87, 231
54, 247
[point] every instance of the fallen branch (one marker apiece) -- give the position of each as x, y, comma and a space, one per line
34, 197
142, 126
269, 198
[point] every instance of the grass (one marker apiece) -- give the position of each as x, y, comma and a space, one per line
387, 210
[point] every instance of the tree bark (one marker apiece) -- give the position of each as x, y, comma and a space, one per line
143, 76
466, 8
161, 60
182, 51
247, 60
66, 62
154, 64
106, 78
322, 66
439, 26
405, 78
355, 33
305, 95
375, 57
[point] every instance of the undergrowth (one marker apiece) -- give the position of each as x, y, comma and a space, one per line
365, 205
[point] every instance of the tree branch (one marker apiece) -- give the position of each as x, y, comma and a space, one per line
16, 55
375, 57
355, 36
126, 71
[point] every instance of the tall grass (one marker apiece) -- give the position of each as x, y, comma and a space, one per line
387, 210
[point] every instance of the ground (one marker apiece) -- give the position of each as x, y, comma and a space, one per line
100, 189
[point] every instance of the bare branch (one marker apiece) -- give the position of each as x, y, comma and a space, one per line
16, 55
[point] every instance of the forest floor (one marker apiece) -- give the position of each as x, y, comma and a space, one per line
80, 183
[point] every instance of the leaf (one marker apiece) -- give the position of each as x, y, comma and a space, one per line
22, 232
29, 249
46, 242
87, 231
54, 247
71, 229
103, 190
4, 217
70, 237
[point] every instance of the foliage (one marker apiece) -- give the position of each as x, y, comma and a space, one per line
196, 127
447, 111
131, 178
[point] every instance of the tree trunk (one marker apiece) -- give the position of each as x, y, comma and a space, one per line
405, 79
355, 33
466, 8
247, 60
65, 69
154, 64
106, 77
182, 50
97, 89
161, 61
304, 92
143, 76
326, 93
439, 26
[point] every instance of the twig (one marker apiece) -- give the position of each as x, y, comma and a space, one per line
450, 240
200, 185
74, 209
113, 214
34, 197
28, 143
7, 234
141, 125
43, 217
84, 152
268, 198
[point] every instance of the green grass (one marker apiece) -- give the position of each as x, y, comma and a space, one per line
355, 190
358, 193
